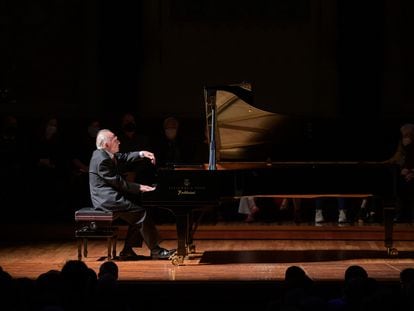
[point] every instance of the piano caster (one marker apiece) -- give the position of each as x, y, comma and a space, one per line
391, 251
177, 260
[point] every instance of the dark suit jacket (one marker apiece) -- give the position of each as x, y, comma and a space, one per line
109, 190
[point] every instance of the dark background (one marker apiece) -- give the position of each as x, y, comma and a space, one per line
315, 61
304, 57
341, 71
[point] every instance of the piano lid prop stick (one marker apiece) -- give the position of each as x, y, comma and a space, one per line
211, 94
212, 155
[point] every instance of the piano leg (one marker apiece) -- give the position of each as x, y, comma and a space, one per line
183, 227
388, 230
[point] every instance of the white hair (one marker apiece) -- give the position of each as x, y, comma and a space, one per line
102, 138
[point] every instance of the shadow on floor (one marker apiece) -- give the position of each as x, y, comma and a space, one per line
283, 256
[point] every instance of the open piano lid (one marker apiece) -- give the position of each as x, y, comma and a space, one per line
242, 131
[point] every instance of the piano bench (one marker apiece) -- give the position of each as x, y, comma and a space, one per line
95, 224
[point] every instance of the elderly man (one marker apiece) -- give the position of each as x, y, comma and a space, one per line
110, 191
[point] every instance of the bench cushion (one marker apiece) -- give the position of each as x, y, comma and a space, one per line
91, 214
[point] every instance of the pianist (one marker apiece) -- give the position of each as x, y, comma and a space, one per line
110, 191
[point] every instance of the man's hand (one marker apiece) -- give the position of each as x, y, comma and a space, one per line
408, 174
149, 155
145, 188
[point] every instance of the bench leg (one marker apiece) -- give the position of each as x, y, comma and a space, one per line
114, 240
80, 244
109, 245
85, 247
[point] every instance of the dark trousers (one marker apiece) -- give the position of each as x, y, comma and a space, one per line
141, 228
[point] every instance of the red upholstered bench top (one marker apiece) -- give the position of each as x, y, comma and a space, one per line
91, 214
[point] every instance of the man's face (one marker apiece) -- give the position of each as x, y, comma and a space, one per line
113, 143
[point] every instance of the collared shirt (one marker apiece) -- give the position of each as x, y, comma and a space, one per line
111, 155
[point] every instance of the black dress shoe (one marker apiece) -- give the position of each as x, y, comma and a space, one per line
129, 254
162, 253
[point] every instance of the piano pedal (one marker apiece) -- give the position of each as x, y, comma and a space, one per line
191, 249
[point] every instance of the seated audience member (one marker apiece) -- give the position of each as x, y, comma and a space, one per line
82, 151
249, 207
298, 293
7, 290
85, 146
50, 170
355, 271
78, 285
319, 217
108, 267
356, 288
170, 150
202, 149
132, 139
406, 294
48, 288
109, 295
404, 158
13, 166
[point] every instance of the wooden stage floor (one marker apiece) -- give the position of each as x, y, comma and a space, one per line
221, 259
239, 266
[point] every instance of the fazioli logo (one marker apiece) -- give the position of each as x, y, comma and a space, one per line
185, 192
187, 188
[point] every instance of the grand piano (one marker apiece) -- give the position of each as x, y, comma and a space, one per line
246, 150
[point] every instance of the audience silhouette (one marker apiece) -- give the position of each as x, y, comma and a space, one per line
78, 287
